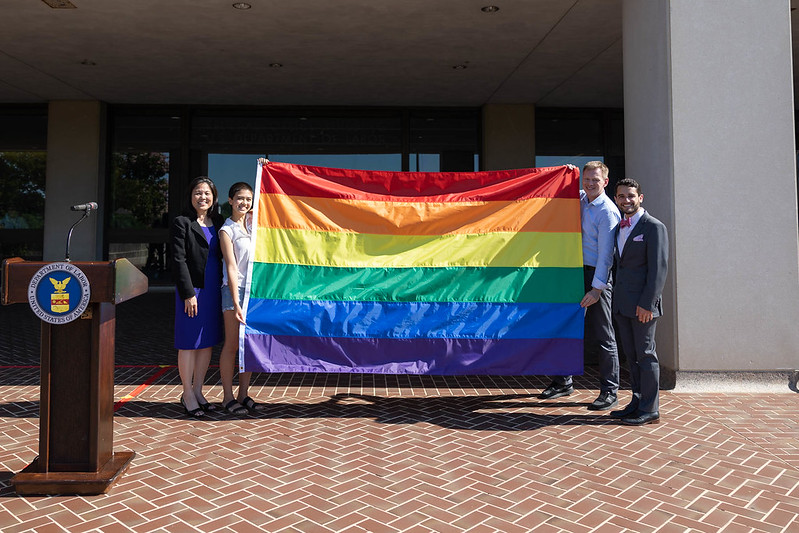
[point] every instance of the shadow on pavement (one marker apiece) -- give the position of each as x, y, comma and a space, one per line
513, 412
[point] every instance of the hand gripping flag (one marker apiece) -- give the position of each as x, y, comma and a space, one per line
415, 272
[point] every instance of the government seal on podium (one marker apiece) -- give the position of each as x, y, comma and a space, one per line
59, 293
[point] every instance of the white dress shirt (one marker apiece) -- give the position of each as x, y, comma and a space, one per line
625, 232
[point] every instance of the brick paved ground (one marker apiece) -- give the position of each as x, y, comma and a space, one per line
398, 453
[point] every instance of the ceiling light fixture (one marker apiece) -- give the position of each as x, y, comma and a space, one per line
489, 9
242, 5
60, 4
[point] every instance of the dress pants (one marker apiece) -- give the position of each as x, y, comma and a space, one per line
599, 337
638, 343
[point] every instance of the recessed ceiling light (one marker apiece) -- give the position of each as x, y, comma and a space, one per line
489, 9
60, 4
242, 5
276, 65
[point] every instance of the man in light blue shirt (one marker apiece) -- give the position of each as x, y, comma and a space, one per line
599, 217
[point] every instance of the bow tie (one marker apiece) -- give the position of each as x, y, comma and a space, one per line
625, 223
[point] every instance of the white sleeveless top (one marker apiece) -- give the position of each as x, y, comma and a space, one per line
241, 246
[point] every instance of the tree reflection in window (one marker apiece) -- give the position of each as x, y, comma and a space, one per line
22, 176
140, 183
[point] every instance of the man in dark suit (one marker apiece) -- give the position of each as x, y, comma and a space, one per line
641, 258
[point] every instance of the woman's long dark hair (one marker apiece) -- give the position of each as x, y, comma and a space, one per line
213, 211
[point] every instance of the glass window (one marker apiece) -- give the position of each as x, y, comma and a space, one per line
352, 161
568, 133
23, 162
22, 182
227, 169
445, 140
558, 160
140, 190
355, 133
425, 162
139, 201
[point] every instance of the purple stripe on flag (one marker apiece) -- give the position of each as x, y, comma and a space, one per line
509, 357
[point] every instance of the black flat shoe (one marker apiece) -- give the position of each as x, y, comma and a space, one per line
252, 405
194, 413
208, 407
235, 408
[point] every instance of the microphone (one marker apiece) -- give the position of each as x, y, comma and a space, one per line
86, 208
90, 206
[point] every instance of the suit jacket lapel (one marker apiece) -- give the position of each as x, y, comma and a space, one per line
196, 228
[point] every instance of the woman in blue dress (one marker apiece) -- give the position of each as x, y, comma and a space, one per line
197, 268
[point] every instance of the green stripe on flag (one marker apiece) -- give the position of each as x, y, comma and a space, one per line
418, 284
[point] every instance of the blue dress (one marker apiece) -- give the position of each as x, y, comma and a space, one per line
206, 328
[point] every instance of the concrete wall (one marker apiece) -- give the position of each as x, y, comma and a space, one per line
709, 133
508, 136
75, 175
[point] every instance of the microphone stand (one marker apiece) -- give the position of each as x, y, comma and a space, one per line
69, 235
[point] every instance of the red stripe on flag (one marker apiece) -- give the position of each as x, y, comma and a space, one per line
504, 185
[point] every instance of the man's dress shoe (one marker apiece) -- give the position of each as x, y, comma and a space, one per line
556, 391
641, 419
626, 412
606, 400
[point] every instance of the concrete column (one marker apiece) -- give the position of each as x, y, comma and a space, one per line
709, 133
75, 175
508, 136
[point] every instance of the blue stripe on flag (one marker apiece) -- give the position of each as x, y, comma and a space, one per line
453, 320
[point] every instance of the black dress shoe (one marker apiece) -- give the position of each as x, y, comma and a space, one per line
605, 401
556, 391
626, 412
641, 418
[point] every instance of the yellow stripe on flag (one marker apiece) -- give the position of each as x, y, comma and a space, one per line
505, 249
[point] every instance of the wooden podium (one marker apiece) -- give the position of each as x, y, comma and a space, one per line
76, 410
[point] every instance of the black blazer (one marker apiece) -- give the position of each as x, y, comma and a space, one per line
190, 253
641, 268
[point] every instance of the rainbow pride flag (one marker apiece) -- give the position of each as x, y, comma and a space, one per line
415, 272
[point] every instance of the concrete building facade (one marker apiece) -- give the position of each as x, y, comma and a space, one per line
705, 90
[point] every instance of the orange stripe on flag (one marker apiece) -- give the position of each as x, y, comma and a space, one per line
419, 218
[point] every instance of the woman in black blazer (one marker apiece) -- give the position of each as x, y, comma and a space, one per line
197, 269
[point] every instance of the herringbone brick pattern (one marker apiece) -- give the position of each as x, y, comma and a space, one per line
354, 453
393, 453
